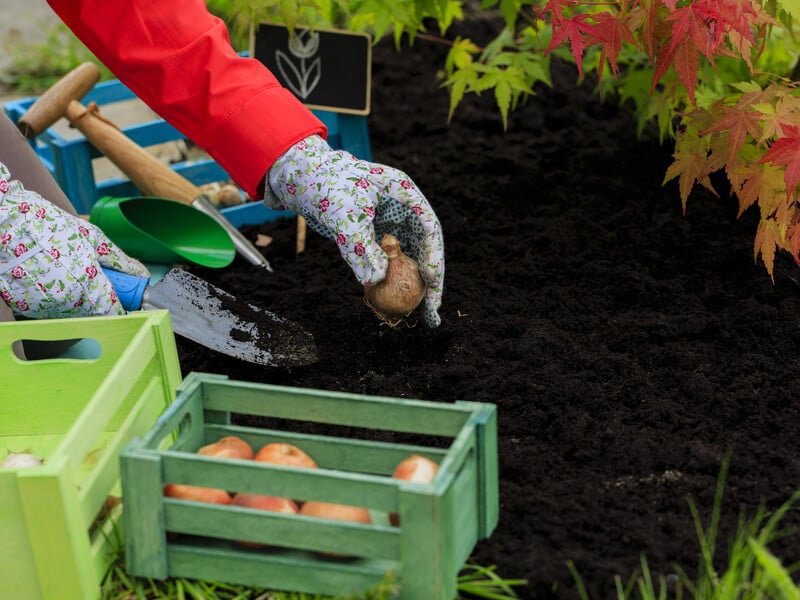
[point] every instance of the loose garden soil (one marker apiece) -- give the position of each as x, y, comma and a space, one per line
627, 346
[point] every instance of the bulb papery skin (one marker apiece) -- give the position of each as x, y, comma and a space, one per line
402, 289
21, 460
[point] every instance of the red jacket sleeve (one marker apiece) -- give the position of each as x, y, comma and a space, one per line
176, 57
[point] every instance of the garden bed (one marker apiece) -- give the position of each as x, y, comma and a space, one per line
628, 347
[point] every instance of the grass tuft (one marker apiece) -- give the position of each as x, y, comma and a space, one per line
752, 572
475, 582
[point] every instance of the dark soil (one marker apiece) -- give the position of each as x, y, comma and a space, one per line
628, 347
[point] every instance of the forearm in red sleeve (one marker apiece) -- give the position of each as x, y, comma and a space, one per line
177, 58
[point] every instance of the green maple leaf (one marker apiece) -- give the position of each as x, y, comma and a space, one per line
510, 9
507, 80
691, 164
458, 83
502, 94
792, 7
460, 54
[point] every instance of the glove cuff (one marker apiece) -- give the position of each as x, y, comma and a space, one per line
286, 174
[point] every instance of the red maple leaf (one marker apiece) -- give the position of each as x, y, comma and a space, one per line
651, 20
555, 8
610, 31
574, 28
682, 51
785, 152
701, 28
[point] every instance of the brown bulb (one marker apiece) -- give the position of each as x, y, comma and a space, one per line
402, 289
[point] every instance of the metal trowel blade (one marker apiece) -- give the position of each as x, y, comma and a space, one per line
214, 318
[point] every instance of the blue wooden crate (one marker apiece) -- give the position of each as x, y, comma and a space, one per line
70, 161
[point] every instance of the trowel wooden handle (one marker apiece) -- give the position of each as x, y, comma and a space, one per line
50, 106
150, 175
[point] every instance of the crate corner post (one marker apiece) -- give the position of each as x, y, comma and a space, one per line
51, 512
145, 538
425, 565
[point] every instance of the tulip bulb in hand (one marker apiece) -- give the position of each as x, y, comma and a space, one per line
402, 289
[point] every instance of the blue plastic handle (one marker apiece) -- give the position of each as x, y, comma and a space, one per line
130, 288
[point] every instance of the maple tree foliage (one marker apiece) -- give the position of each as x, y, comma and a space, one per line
752, 133
712, 75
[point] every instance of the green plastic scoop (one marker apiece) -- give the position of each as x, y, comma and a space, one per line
160, 230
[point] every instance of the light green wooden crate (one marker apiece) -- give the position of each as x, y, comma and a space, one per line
78, 413
440, 522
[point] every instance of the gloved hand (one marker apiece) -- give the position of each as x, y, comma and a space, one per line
355, 202
50, 260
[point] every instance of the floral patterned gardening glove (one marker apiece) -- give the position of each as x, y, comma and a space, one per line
50, 260
355, 202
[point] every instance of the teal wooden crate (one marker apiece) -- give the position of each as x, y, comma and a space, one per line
70, 160
440, 522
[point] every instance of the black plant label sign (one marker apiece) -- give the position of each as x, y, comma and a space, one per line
327, 69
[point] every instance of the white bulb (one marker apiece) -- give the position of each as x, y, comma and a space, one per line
19, 460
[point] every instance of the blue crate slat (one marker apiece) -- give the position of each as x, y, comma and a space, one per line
253, 213
108, 92
70, 161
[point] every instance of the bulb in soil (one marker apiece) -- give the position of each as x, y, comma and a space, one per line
401, 291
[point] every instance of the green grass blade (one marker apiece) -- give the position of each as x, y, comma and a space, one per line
578, 580
484, 582
775, 573
621, 595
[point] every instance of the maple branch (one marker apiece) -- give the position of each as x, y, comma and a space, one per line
435, 39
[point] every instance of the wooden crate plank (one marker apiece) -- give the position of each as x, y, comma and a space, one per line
302, 572
294, 482
290, 531
392, 414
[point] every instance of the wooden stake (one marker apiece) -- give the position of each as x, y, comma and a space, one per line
300, 244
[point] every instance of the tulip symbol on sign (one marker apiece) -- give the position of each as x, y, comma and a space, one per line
304, 78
